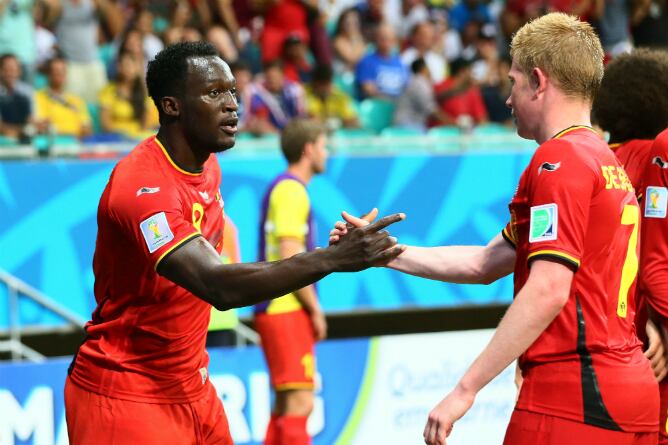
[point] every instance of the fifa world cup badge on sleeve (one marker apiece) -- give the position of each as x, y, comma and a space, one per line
156, 231
656, 201
543, 224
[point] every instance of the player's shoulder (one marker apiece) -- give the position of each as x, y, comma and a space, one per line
139, 173
660, 146
288, 188
580, 145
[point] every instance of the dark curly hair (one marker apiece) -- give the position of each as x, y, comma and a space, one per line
166, 74
632, 102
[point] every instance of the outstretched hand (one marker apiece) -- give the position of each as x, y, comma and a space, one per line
444, 415
367, 246
341, 228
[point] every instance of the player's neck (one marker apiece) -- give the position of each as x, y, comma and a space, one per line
565, 114
302, 172
181, 153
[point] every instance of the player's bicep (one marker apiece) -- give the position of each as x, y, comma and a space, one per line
152, 218
191, 266
499, 259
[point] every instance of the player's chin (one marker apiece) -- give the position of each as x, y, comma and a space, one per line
225, 143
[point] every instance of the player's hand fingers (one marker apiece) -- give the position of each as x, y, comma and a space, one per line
354, 221
388, 255
661, 373
340, 225
384, 222
369, 217
333, 239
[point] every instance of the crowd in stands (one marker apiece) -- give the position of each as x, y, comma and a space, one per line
75, 68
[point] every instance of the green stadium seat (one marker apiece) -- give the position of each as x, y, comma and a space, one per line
491, 128
106, 54
352, 140
376, 114
346, 83
446, 138
401, 132
94, 111
6, 141
343, 133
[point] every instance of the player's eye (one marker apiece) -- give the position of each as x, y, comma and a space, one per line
214, 93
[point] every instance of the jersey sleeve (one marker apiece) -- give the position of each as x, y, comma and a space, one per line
151, 215
289, 207
561, 185
654, 239
507, 234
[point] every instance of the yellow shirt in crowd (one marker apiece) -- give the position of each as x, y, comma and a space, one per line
68, 113
122, 115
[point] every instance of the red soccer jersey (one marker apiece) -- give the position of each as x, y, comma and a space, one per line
575, 205
634, 155
654, 251
146, 339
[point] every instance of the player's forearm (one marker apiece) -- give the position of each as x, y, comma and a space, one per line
452, 264
459, 264
289, 247
532, 311
244, 284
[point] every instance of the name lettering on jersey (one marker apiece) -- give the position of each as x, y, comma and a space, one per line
656, 202
546, 166
543, 223
616, 178
143, 190
156, 231
658, 160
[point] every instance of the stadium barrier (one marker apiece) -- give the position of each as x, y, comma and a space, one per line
370, 391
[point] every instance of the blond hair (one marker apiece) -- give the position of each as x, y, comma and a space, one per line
566, 49
296, 134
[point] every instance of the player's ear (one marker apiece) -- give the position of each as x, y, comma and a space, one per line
538, 80
170, 106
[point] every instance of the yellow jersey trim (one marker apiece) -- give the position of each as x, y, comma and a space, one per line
171, 249
171, 161
615, 146
508, 237
573, 128
557, 253
296, 385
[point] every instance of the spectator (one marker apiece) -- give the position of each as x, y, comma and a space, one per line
223, 42
320, 43
467, 11
125, 107
327, 103
132, 42
15, 98
57, 111
349, 44
295, 64
372, 16
411, 14
181, 24
650, 31
422, 43
416, 106
459, 97
144, 24
236, 15
448, 41
274, 102
281, 19
77, 30
381, 72
518, 12
496, 93
17, 32
244, 77
612, 19
45, 40
487, 56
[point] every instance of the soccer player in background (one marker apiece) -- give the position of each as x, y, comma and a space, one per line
654, 248
140, 376
572, 243
632, 106
290, 325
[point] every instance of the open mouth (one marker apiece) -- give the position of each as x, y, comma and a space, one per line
230, 127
